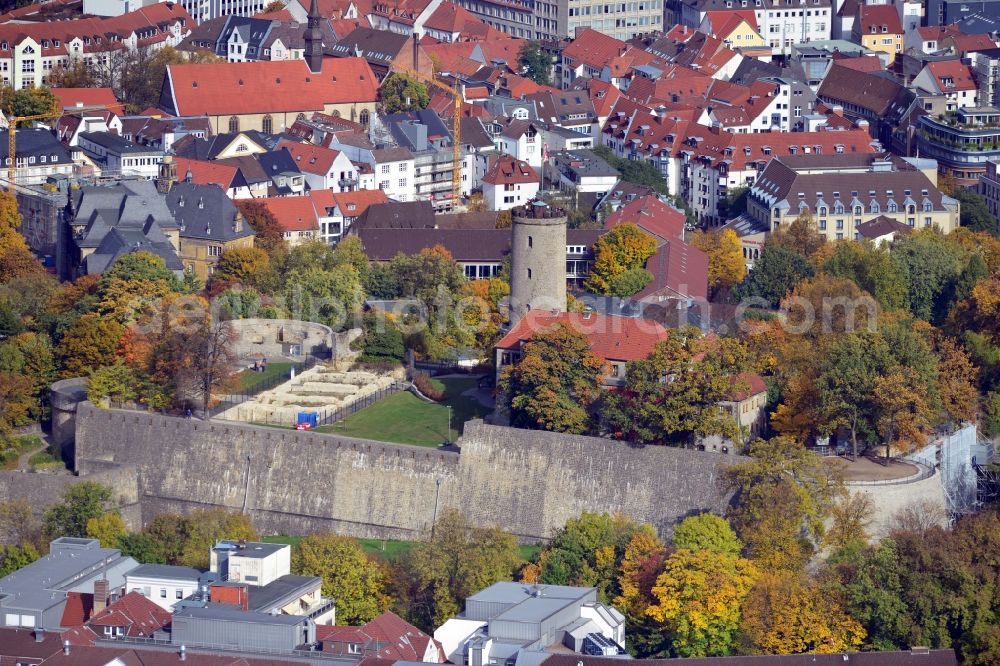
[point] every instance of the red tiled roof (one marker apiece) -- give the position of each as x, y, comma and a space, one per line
651, 215
965, 43
862, 64
79, 606
507, 170
932, 33
205, 173
343, 27
282, 15
449, 17
293, 213
612, 338
722, 23
476, 92
872, 18
679, 270
274, 86
960, 75
139, 615
502, 48
593, 48
405, 642
603, 96
353, 204
753, 383
87, 97
309, 157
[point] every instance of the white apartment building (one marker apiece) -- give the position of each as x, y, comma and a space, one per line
29, 51
781, 23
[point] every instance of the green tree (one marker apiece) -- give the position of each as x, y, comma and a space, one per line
700, 597
326, 296
623, 249
382, 341
931, 264
14, 557
163, 539
455, 561
356, 581
108, 528
80, 502
117, 383
703, 372
630, 282
28, 101
589, 551
782, 498
535, 63
975, 213
776, 273
204, 527
639, 172
30, 355
141, 547
246, 266
555, 381
399, 93
871, 268
707, 531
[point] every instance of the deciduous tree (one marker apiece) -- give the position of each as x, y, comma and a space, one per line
356, 581
554, 382
726, 264
399, 93
783, 496
777, 271
707, 531
700, 597
786, 613
623, 249
108, 528
89, 343
80, 503
268, 234
204, 527
535, 63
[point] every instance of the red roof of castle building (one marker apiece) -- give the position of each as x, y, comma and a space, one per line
593, 48
507, 170
293, 213
309, 157
651, 215
960, 75
272, 86
137, 614
611, 337
873, 18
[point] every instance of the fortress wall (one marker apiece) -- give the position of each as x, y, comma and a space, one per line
528, 482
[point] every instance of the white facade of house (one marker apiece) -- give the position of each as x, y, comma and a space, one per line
527, 147
164, 591
504, 196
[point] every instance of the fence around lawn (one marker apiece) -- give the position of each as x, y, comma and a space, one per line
253, 389
326, 417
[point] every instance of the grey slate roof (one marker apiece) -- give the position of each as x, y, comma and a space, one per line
127, 217
35, 142
281, 591
378, 47
231, 614
205, 212
116, 144
397, 215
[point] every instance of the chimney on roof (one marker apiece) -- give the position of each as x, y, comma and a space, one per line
39, 635
66, 648
101, 592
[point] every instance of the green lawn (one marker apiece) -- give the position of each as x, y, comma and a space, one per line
404, 418
248, 379
390, 549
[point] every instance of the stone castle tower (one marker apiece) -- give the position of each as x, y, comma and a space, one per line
314, 39
538, 259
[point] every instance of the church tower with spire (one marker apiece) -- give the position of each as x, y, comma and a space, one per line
314, 39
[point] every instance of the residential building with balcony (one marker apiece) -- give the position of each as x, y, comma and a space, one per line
989, 187
39, 155
986, 65
841, 192
426, 136
120, 157
962, 142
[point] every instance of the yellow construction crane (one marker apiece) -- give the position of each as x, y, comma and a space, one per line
12, 131
456, 129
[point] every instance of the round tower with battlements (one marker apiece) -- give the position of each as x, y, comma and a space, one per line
538, 259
